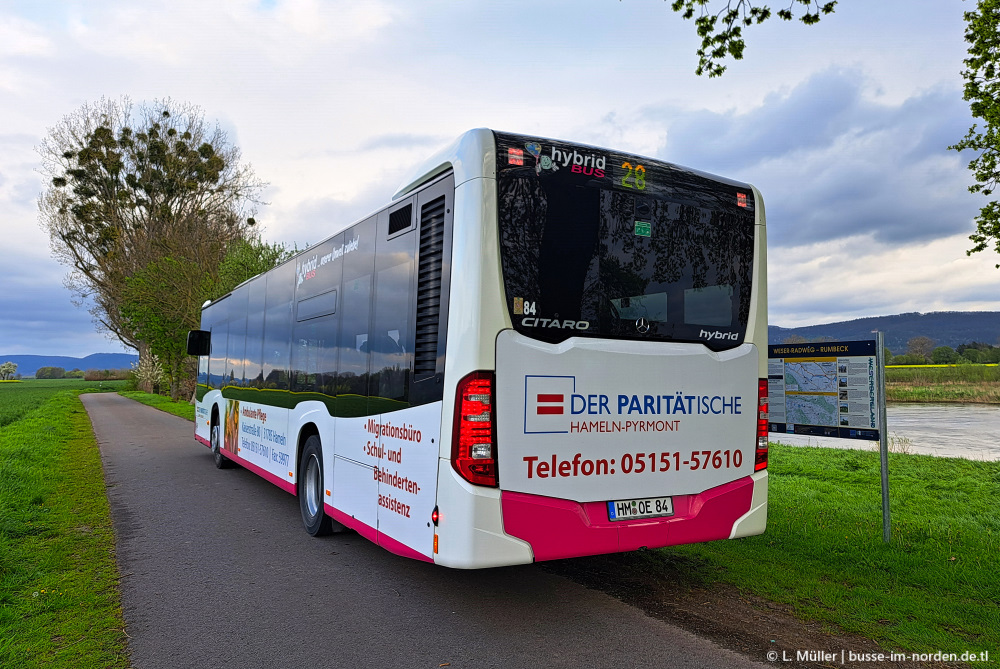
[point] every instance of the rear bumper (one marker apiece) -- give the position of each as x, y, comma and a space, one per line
560, 528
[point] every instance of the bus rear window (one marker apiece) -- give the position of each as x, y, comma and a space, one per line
601, 244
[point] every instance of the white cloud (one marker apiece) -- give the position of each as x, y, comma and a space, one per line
227, 35
853, 277
20, 37
833, 162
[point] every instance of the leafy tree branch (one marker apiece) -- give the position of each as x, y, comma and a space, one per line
720, 26
982, 91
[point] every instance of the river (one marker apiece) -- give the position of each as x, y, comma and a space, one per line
949, 430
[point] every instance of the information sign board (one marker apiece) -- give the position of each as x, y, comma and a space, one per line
826, 389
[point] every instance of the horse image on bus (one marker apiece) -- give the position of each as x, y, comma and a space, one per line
537, 350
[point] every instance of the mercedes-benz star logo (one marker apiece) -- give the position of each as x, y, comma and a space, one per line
642, 325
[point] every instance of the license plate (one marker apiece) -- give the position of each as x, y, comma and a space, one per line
650, 507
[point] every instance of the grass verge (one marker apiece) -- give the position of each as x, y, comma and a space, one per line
935, 587
17, 399
959, 383
59, 603
177, 408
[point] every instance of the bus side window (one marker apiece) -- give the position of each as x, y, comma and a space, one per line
217, 359
203, 370
391, 341
278, 326
236, 349
352, 368
314, 355
255, 333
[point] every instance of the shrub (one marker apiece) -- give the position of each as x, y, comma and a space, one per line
944, 355
149, 374
106, 374
909, 359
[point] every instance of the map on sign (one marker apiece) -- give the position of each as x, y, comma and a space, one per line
826, 389
811, 377
811, 409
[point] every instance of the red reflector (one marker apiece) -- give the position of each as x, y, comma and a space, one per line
473, 449
760, 460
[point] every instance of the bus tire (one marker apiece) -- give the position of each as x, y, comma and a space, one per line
221, 461
310, 490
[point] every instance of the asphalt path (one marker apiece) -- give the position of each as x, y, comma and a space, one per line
218, 572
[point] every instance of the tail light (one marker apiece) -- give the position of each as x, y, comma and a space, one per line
760, 461
473, 444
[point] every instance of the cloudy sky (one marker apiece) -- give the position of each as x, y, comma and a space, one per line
843, 126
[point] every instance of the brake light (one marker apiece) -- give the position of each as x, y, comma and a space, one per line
760, 461
473, 447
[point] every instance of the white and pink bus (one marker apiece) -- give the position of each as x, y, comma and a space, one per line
537, 350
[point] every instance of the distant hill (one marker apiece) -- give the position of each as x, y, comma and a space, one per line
27, 365
946, 328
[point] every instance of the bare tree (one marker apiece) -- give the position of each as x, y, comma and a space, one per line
920, 346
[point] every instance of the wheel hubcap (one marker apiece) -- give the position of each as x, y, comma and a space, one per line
312, 485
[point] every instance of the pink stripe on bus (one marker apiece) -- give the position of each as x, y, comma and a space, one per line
367, 531
399, 548
561, 528
373, 535
287, 486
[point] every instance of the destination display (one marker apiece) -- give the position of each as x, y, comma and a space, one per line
826, 389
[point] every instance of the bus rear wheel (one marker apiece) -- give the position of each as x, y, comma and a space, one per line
311, 490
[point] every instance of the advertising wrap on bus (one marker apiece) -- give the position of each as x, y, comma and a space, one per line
384, 476
536, 350
592, 421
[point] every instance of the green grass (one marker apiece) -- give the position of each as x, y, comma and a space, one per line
178, 408
957, 383
17, 399
936, 586
927, 374
59, 603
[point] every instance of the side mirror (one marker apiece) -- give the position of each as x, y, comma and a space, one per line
199, 342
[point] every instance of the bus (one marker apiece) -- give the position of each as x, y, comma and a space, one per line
537, 350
